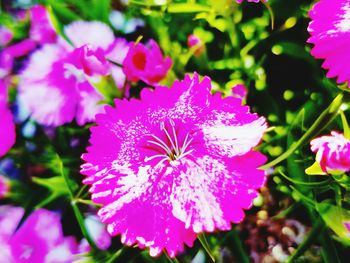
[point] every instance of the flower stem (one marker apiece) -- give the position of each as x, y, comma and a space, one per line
115, 256
75, 207
326, 117
204, 242
239, 249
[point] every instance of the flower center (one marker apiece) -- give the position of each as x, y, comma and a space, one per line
170, 149
139, 60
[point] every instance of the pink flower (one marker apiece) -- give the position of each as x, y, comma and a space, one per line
55, 87
347, 226
173, 164
41, 28
39, 239
7, 126
194, 41
332, 152
146, 63
240, 91
330, 34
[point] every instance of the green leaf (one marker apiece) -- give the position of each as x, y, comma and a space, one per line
345, 125
101, 9
335, 217
188, 8
62, 12
54, 184
315, 169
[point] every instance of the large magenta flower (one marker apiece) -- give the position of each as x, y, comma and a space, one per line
56, 85
332, 152
175, 163
146, 63
330, 33
7, 125
39, 239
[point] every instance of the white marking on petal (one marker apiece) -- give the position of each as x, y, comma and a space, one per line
234, 140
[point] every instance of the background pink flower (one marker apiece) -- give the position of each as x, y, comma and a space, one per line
55, 86
240, 91
7, 125
39, 239
175, 163
330, 34
194, 41
6, 35
41, 28
146, 63
332, 152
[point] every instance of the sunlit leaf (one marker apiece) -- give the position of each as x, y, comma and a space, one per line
335, 217
315, 169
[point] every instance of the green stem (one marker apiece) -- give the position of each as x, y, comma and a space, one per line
115, 256
310, 184
328, 250
204, 242
232, 32
76, 210
171, 260
326, 117
238, 247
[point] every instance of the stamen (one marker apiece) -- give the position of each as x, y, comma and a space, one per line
162, 144
187, 153
171, 147
178, 152
170, 139
161, 161
154, 156
186, 143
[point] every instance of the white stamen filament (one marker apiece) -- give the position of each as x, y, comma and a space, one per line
173, 151
162, 127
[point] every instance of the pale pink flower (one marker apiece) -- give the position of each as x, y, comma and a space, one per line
347, 226
146, 63
98, 232
55, 87
117, 53
332, 152
7, 125
330, 34
41, 28
9, 219
173, 164
39, 239
6, 36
